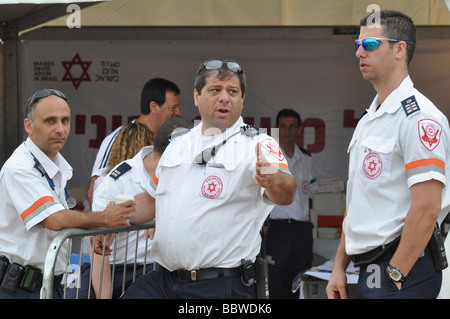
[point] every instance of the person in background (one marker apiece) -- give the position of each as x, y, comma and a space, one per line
130, 139
128, 177
160, 100
289, 238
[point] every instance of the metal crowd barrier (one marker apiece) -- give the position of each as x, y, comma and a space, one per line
72, 233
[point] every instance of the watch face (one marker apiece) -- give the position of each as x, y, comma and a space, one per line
395, 275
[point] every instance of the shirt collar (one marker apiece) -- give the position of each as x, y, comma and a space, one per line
236, 126
139, 174
51, 167
393, 101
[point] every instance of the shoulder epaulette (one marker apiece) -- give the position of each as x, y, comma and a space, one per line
362, 115
249, 130
305, 151
178, 132
120, 170
410, 105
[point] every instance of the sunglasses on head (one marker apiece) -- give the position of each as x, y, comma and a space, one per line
41, 94
218, 64
44, 93
369, 44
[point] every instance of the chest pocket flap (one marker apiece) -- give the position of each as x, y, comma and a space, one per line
375, 159
379, 144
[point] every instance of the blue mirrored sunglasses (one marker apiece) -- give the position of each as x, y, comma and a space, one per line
369, 44
217, 64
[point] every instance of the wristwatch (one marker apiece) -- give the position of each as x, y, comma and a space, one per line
395, 274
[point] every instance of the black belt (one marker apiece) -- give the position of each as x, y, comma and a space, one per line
288, 220
206, 273
380, 253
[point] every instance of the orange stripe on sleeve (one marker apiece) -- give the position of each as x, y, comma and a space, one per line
425, 162
280, 165
36, 205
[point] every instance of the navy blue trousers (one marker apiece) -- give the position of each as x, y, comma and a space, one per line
422, 282
163, 284
83, 291
291, 247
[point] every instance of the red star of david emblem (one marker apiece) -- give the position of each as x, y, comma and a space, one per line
372, 166
211, 187
84, 76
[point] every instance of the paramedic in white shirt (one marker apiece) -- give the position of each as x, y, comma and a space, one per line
160, 100
397, 174
129, 177
34, 201
289, 238
210, 208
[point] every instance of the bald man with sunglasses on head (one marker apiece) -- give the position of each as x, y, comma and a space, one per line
35, 203
397, 182
214, 187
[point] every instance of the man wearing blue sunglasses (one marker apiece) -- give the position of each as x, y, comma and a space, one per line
397, 174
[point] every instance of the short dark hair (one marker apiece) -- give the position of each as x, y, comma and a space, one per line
396, 25
288, 113
155, 90
162, 136
224, 72
36, 97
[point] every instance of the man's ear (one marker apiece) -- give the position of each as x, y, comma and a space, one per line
154, 107
28, 124
196, 95
400, 50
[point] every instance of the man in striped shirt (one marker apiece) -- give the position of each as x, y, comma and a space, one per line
160, 100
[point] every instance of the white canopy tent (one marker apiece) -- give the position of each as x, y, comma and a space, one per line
15, 17
287, 46
298, 54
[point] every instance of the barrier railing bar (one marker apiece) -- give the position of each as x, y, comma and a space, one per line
70, 233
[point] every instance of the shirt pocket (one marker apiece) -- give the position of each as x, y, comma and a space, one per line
375, 159
166, 168
214, 183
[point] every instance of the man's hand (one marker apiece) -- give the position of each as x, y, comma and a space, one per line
150, 233
337, 284
102, 242
279, 186
119, 214
336, 287
264, 170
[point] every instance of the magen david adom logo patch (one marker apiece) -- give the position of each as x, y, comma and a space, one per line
372, 165
430, 133
212, 187
273, 148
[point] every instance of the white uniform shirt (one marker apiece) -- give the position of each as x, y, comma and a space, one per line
130, 182
403, 143
210, 215
300, 166
26, 199
100, 167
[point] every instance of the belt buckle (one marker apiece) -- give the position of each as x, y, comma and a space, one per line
194, 275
